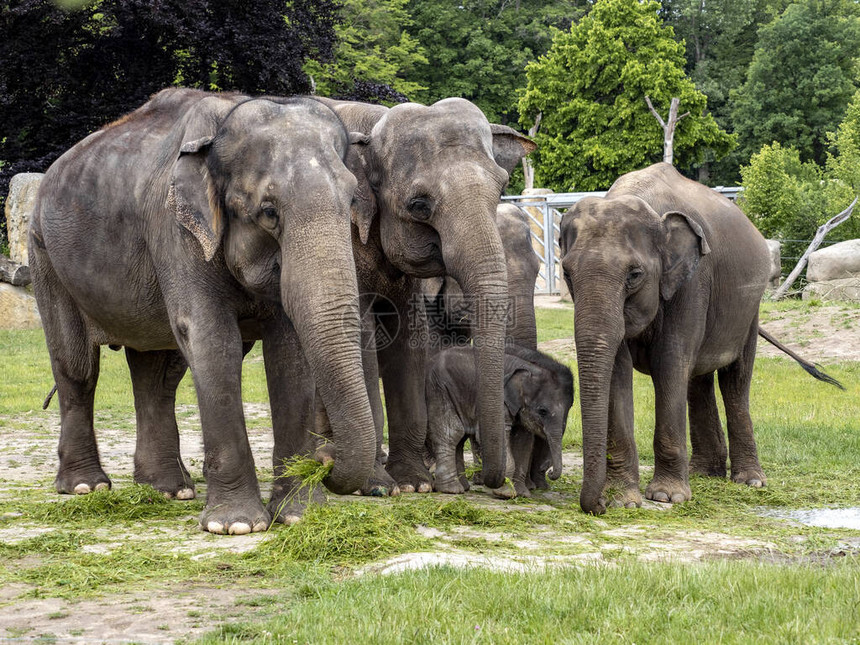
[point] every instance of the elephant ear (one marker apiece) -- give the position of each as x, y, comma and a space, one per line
514, 388
509, 146
684, 245
191, 196
359, 160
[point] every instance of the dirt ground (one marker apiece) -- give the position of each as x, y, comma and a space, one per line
832, 333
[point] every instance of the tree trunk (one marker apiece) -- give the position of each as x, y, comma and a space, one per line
668, 126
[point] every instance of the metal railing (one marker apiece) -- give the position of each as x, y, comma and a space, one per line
545, 213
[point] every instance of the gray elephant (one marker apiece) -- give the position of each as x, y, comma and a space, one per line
449, 315
185, 231
538, 394
666, 277
429, 180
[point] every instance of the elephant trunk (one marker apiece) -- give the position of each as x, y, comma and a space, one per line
555, 455
599, 332
324, 311
474, 257
524, 329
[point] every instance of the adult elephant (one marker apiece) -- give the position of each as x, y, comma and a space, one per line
185, 231
666, 276
429, 179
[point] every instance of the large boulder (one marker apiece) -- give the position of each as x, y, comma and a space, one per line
19, 206
775, 249
18, 308
835, 262
843, 289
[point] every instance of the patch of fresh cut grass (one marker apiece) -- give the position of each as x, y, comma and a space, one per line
629, 602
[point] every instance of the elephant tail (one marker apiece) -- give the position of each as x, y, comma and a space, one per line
809, 367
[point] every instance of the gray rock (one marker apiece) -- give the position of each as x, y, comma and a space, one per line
19, 205
843, 289
835, 262
18, 308
775, 249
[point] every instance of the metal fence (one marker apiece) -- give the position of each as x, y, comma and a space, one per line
545, 213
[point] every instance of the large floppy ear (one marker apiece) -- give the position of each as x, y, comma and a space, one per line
684, 245
509, 146
191, 196
359, 160
514, 388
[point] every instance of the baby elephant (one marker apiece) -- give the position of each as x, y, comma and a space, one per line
538, 396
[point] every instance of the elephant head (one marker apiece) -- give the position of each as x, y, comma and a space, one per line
435, 185
263, 187
622, 261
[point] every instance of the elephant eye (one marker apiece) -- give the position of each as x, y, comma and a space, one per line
543, 412
634, 277
420, 207
269, 218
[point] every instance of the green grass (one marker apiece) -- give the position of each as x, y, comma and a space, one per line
131, 539
721, 602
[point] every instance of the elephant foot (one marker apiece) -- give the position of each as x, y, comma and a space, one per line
290, 499
538, 481
510, 490
477, 478
411, 477
708, 467
81, 482
173, 481
235, 518
752, 476
380, 484
668, 490
623, 495
450, 486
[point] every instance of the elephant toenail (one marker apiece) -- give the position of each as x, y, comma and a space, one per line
102, 486
425, 487
239, 528
215, 527
185, 493
407, 488
82, 489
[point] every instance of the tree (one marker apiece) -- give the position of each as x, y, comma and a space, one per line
590, 88
67, 73
802, 76
478, 49
374, 55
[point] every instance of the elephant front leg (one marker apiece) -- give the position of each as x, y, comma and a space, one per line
446, 437
519, 457
292, 402
380, 484
706, 432
735, 381
402, 364
212, 346
671, 481
622, 467
157, 462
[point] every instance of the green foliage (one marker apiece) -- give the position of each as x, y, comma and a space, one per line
590, 88
478, 49
788, 199
801, 78
372, 45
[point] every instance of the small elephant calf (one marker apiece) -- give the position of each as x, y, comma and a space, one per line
538, 396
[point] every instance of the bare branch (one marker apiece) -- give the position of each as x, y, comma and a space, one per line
655, 113
822, 231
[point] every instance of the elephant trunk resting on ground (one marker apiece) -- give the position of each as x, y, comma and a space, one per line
200, 223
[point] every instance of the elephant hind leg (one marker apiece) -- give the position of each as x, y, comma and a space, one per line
735, 380
157, 462
706, 431
75, 365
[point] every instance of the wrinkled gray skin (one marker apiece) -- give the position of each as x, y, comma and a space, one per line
429, 180
538, 394
666, 277
450, 318
185, 231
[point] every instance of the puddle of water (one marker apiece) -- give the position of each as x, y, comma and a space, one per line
831, 518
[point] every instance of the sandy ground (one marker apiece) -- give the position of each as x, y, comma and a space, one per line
28, 460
